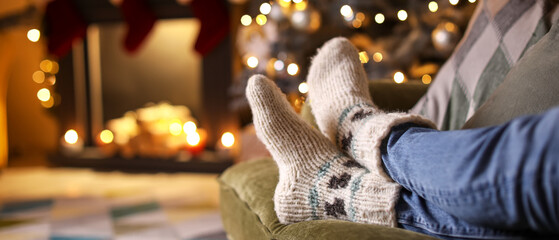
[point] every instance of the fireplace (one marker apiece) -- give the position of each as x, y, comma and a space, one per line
106, 90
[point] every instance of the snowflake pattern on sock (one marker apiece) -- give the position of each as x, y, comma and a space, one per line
345, 142
335, 209
339, 182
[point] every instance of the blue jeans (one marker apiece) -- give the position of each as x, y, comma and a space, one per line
488, 183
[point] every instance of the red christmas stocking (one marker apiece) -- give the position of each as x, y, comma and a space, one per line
64, 25
214, 23
140, 20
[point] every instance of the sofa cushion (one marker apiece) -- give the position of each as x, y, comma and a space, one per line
531, 87
247, 207
497, 36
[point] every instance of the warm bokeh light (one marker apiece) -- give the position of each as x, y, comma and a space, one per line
297, 1
292, 69
363, 57
440, 36
106, 136
402, 15
399, 77
346, 11
252, 62
227, 139
453, 2
261, 19
303, 88
51, 80
279, 65
193, 138
265, 8
71, 136
189, 127
426, 79
246, 20
175, 128
433, 6
356, 23
377, 57
48, 104
360, 16
379, 18
39, 77
284, 3
46, 65
472, 1
33, 35
43, 94
451, 27
54, 67
300, 5
160, 126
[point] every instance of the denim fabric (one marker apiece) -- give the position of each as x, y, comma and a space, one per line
489, 183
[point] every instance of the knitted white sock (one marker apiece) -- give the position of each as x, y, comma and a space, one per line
341, 103
316, 180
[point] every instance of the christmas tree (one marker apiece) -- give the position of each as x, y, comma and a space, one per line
401, 40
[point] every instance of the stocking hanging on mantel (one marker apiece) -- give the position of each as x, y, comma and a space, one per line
64, 26
140, 20
214, 23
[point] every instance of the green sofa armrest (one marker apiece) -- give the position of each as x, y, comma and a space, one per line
247, 208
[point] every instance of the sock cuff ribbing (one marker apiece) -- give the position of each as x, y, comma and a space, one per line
361, 130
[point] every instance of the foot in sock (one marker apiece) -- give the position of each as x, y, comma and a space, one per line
316, 180
341, 103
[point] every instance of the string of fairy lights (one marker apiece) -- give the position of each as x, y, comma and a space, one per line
45, 76
353, 17
48, 98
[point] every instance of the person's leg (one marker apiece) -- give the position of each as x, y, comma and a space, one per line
416, 214
503, 177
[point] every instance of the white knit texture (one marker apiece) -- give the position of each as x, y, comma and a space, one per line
344, 112
316, 180
336, 80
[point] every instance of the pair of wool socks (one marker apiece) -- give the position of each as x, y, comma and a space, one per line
317, 179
